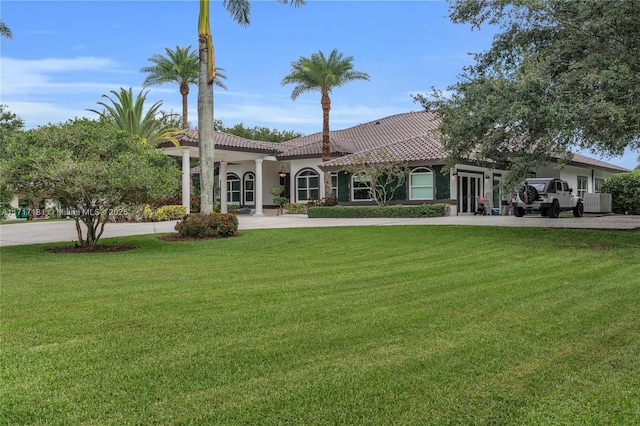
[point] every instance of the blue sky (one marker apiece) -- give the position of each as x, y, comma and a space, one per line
66, 54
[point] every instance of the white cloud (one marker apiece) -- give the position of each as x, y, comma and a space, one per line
22, 78
39, 113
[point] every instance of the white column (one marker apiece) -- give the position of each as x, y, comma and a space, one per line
223, 187
186, 180
258, 188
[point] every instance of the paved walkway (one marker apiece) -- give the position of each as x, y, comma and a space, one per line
57, 231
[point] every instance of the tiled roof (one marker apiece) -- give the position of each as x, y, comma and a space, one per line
235, 143
399, 128
408, 137
421, 148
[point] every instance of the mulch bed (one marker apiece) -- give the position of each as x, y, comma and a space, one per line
95, 249
176, 237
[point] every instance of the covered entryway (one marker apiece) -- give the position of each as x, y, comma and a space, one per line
229, 150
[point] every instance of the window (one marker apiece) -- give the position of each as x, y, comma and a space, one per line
307, 186
249, 188
233, 188
334, 184
598, 182
582, 186
421, 184
360, 188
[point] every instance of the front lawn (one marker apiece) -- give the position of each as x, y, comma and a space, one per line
359, 325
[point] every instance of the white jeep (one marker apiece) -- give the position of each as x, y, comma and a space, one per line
549, 196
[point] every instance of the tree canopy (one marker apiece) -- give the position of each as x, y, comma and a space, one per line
321, 73
126, 113
257, 133
180, 66
562, 74
89, 168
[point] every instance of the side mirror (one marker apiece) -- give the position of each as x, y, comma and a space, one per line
570, 189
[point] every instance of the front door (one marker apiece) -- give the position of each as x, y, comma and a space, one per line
469, 188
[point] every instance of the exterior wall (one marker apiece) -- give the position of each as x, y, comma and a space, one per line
571, 173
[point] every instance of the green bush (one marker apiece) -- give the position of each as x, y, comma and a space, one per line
169, 213
295, 208
197, 225
175, 201
625, 192
425, 210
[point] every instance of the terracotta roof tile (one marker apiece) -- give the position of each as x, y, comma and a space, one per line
409, 137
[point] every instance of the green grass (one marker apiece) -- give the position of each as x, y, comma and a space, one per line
364, 325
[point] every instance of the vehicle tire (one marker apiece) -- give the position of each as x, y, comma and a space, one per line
554, 211
578, 210
528, 194
544, 212
518, 212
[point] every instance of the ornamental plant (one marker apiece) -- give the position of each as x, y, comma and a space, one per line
217, 225
88, 168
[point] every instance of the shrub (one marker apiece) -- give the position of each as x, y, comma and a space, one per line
425, 210
217, 225
169, 213
625, 192
295, 208
175, 201
147, 213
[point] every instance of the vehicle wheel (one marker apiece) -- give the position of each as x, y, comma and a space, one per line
528, 194
578, 210
544, 212
518, 212
554, 211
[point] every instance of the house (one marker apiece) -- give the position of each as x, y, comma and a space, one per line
248, 169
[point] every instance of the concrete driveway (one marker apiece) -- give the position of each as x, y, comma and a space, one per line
38, 232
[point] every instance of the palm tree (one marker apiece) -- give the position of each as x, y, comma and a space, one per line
322, 74
179, 66
239, 11
126, 113
5, 31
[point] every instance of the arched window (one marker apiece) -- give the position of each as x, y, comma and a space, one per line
307, 186
233, 188
249, 188
421, 184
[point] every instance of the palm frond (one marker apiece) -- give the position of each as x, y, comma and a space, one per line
240, 10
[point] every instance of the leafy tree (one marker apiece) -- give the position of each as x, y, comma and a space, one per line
257, 133
179, 66
385, 172
127, 114
320, 73
9, 124
89, 168
5, 31
239, 11
562, 74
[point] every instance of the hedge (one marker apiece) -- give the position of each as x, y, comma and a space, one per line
625, 192
425, 210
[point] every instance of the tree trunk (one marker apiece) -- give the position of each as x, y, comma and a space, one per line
329, 197
205, 131
184, 91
